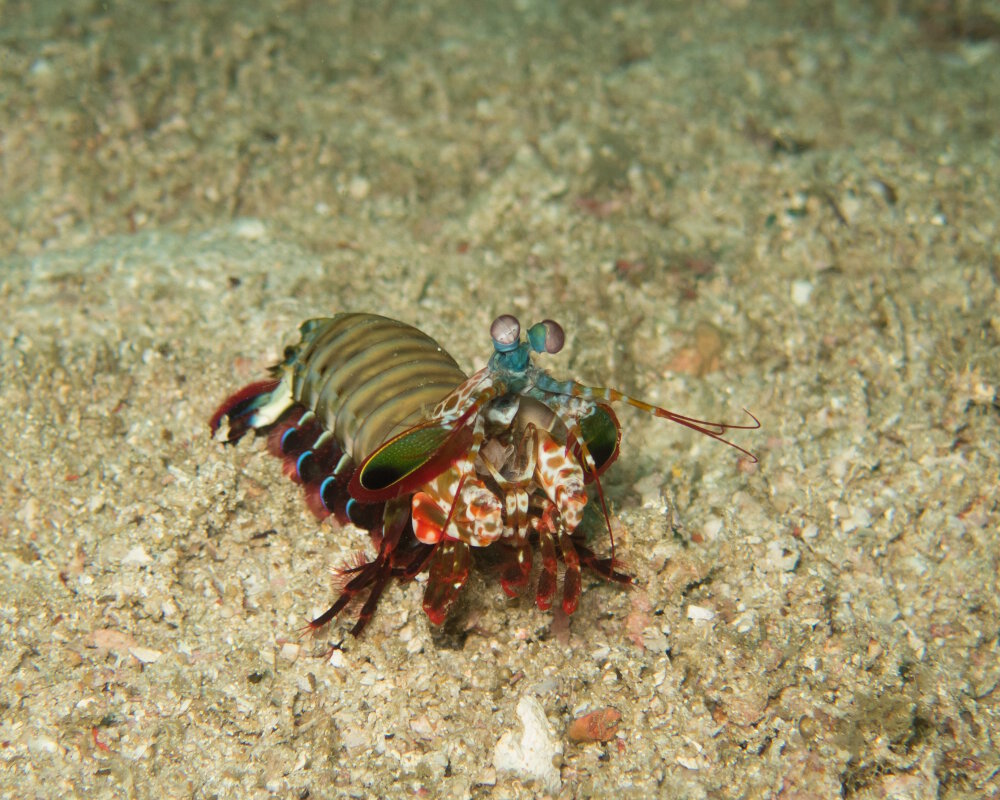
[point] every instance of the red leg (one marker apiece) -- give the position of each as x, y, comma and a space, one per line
368, 609
449, 569
372, 575
365, 575
571, 580
516, 570
547, 578
605, 567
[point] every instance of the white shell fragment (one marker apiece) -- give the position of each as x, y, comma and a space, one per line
530, 754
700, 613
145, 655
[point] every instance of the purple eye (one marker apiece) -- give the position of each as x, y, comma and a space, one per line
555, 337
506, 332
546, 336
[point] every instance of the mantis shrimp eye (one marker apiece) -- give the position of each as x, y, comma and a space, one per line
546, 337
506, 333
555, 337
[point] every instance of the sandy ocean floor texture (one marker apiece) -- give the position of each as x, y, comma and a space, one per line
785, 207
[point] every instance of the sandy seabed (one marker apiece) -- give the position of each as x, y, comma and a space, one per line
727, 205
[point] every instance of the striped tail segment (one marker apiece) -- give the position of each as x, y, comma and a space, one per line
368, 377
315, 459
309, 455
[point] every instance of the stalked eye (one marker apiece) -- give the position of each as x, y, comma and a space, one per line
555, 337
546, 336
506, 333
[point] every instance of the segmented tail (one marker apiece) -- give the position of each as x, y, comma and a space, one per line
241, 408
